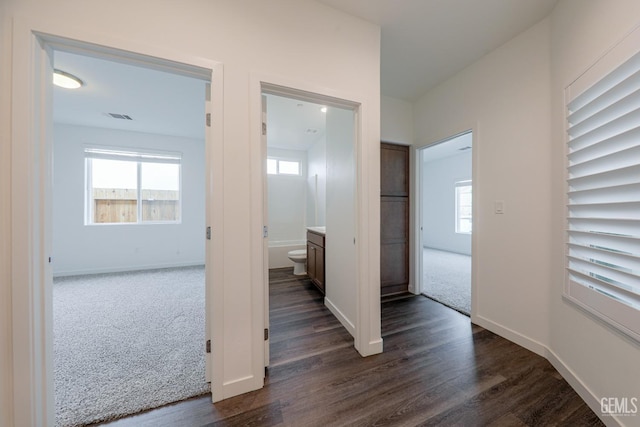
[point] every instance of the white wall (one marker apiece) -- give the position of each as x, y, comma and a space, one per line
80, 248
504, 97
396, 120
514, 98
252, 39
287, 199
317, 183
340, 256
439, 178
6, 377
602, 361
287, 209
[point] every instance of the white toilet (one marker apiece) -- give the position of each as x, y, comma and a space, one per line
299, 258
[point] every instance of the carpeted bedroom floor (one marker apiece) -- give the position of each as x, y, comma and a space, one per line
447, 278
126, 342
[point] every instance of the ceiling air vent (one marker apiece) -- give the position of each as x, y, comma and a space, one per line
119, 116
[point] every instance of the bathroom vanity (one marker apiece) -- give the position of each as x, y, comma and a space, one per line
315, 255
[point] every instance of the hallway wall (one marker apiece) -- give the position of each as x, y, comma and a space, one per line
250, 39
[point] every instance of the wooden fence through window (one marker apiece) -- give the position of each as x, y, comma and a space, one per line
118, 205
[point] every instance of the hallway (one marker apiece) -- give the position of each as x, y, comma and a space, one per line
437, 369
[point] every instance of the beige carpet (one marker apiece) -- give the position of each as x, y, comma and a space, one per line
126, 342
447, 278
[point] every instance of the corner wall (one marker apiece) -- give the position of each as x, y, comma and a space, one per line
6, 382
601, 361
439, 179
514, 95
504, 97
317, 183
86, 249
396, 120
287, 200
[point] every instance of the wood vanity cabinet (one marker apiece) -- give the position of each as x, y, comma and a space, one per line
315, 259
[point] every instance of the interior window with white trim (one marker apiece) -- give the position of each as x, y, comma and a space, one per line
603, 191
463, 207
132, 186
277, 166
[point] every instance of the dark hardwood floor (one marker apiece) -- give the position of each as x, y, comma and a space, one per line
437, 369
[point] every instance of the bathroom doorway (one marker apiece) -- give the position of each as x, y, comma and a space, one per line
309, 144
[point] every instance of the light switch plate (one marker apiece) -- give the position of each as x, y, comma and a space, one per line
498, 207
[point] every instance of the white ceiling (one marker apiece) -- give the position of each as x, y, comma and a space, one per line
292, 124
451, 147
158, 102
424, 42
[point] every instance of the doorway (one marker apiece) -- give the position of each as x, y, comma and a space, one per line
33, 127
309, 145
446, 188
128, 214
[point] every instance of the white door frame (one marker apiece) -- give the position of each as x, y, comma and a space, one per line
367, 340
31, 159
418, 211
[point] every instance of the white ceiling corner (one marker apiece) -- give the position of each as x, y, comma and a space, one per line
424, 42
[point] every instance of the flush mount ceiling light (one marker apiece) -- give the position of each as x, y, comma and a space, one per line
66, 80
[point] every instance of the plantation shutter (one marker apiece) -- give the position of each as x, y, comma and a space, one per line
603, 196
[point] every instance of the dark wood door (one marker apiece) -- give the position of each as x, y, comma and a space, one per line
394, 218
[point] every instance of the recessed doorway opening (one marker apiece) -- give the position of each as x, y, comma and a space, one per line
309, 152
127, 210
446, 188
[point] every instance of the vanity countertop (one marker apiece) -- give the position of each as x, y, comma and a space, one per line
318, 229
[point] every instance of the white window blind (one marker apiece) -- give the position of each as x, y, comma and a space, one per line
603, 194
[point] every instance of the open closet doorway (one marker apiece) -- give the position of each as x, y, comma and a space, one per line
446, 188
309, 144
129, 206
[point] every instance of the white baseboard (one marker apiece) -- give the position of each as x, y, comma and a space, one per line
241, 386
373, 347
125, 269
583, 391
513, 336
350, 327
542, 350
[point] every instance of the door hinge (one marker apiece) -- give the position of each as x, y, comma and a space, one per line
264, 128
265, 231
208, 233
266, 334
208, 119
208, 346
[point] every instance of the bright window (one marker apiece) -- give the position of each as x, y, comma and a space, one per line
463, 207
603, 190
283, 167
132, 186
